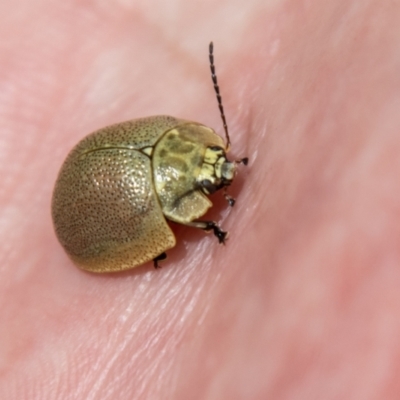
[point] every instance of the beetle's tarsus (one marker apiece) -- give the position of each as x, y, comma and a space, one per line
209, 226
161, 257
231, 201
244, 161
218, 232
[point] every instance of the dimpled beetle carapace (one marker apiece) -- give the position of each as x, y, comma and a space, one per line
119, 186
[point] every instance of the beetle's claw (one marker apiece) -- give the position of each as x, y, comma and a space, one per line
161, 257
244, 161
220, 234
231, 201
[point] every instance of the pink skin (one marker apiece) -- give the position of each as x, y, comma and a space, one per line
304, 300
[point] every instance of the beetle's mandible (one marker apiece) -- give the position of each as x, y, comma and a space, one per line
119, 186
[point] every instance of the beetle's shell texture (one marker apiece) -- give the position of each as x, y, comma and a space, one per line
106, 211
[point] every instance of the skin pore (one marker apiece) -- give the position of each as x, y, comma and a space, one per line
303, 301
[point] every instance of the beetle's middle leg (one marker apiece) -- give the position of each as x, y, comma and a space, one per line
209, 226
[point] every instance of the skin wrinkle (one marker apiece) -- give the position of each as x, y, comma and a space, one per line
121, 346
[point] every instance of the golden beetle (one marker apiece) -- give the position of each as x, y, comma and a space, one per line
118, 186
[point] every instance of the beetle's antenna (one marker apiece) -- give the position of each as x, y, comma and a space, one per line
219, 98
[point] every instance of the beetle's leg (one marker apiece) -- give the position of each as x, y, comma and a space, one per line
244, 161
161, 257
210, 226
231, 201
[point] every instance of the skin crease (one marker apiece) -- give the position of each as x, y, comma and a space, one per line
303, 302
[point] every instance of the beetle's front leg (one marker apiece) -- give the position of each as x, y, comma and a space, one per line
209, 226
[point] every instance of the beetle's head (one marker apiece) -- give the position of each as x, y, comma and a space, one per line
217, 171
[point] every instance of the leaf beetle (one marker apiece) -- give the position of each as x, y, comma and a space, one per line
118, 187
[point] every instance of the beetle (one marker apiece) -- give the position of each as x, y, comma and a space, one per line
118, 187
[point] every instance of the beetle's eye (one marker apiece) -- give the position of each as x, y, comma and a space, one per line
217, 149
208, 186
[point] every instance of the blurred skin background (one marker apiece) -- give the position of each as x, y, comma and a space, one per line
303, 302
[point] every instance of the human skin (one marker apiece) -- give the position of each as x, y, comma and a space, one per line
303, 302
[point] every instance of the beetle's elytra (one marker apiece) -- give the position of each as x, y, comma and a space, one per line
119, 186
